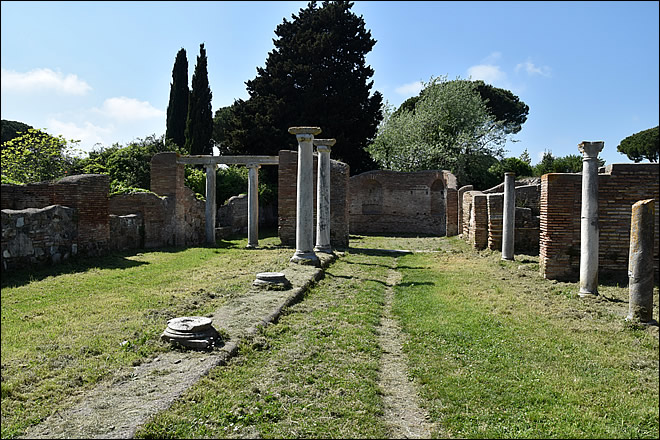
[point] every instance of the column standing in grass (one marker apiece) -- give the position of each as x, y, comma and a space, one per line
305, 197
640, 262
253, 205
589, 219
323, 147
210, 203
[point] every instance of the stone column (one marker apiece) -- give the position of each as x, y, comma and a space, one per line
210, 203
253, 205
589, 219
323, 196
305, 197
640, 262
508, 216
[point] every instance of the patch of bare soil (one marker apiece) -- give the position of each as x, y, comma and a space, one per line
116, 409
402, 411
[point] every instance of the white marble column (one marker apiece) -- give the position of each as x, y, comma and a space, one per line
210, 203
509, 216
305, 197
253, 205
640, 263
323, 147
589, 219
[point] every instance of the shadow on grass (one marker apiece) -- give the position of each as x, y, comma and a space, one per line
117, 260
379, 252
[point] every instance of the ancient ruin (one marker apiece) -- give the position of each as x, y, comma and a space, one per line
640, 266
323, 147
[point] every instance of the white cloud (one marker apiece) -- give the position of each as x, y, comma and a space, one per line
492, 58
43, 79
129, 109
88, 135
532, 69
410, 89
489, 73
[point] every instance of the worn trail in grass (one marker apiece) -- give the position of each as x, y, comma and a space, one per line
317, 373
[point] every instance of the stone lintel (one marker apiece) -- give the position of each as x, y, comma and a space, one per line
304, 132
228, 160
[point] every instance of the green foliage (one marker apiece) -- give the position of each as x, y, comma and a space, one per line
229, 182
129, 166
511, 165
177, 109
195, 179
36, 156
12, 129
571, 163
199, 125
642, 145
504, 106
315, 76
221, 122
524, 156
117, 187
450, 128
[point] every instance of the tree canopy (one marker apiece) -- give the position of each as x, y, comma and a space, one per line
177, 109
12, 129
199, 125
449, 128
36, 156
642, 145
315, 76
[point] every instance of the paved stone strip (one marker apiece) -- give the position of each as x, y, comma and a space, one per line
402, 412
117, 409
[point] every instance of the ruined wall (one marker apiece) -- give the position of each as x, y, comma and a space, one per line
483, 214
86, 194
157, 214
619, 187
461, 214
392, 202
234, 214
287, 181
38, 236
127, 232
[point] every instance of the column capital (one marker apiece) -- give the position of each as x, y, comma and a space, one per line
324, 145
253, 165
590, 149
305, 133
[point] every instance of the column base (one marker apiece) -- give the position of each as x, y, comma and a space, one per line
508, 258
584, 293
252, 246
326, 249
306, 258
635, 320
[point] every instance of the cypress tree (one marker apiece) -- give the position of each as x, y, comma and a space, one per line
199, 126
177, 109
316, 75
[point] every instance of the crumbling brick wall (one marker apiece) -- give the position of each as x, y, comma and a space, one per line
619, 187
392, 202
86, 194
286, 205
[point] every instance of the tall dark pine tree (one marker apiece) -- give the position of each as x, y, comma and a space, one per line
317, 76
177, 109
199, 126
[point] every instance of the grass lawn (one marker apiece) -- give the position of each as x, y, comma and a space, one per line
495, 350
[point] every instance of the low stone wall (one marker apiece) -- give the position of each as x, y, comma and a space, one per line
483, 216
392, 202
234, 214
619, 187
127, 232
38, 236
286, 205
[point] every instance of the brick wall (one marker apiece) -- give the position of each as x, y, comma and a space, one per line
619, 187
495, 206
87, 194
462, 190
286, 205
392, 202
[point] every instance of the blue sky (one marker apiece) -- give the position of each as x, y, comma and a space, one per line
101, 71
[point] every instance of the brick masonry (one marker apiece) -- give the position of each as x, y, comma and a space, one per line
619, 187
392, 202
287, 181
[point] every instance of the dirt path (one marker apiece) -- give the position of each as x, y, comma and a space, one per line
116, 409
402, 412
